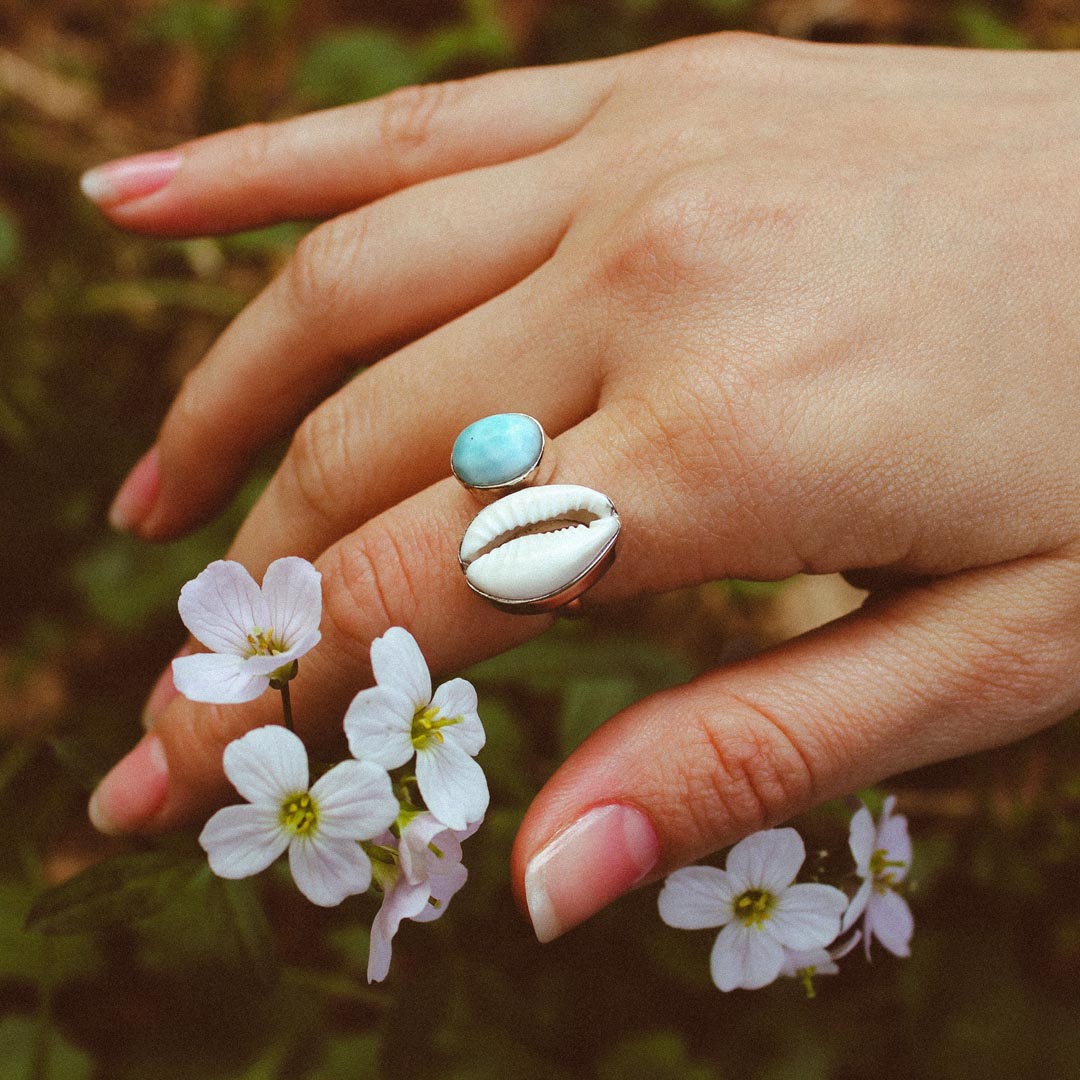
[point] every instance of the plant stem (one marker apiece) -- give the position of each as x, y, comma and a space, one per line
286, 706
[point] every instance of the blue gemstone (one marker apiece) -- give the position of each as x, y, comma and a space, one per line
497, 450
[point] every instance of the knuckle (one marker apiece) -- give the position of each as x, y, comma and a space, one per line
196, 402
253, 149
316, 462
409, 121
749, 774
320, 275
370, 589
663, 247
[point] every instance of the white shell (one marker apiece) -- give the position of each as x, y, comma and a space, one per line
505, 560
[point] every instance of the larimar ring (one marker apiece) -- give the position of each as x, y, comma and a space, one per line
537, 548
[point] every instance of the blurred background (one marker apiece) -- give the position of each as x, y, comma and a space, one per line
147, 966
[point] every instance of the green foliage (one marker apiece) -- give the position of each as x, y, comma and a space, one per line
29, 1051
981, 27
120, 890
352, 65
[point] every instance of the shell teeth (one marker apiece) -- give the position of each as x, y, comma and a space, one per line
535, 542
531, 506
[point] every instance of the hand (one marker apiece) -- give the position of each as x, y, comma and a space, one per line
794, 308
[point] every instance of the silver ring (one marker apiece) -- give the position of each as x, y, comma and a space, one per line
538, 548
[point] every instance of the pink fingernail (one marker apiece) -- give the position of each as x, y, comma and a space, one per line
603, 854
137, 493
161, 695
130, 178
133, 791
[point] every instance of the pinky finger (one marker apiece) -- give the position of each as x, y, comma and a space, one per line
950, 668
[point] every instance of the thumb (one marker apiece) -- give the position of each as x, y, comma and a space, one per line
962, 664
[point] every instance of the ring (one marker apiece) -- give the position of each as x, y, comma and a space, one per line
498, 454
537, 548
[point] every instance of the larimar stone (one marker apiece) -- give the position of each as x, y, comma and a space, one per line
497, 450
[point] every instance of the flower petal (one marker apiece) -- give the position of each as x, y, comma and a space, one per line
292, 590
806, 916
404, 901
378, 725
889, 919
327, 870
217, 678
396, 660
857, 905
696, 897
766, 860
798, 960
355, 801
745, 957
443, 889
266, 765
418, 861
452, 783
242, 840
222, 606
862, 839
457, 699
893, 837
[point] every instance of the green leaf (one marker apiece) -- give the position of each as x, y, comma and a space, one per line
120, 890
210, 27
249, 926
981, 27
588, 702
10, 243
24, 1055
354, 65
661, 1055
351, 1057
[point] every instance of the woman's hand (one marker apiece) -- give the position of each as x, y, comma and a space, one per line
794, 308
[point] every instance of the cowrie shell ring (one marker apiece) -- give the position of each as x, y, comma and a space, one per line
534, 549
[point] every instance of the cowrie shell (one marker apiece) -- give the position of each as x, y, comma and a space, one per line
539, 548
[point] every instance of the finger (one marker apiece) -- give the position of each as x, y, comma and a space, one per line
328, 162
388, 433
400, 568
388, 272
957, 666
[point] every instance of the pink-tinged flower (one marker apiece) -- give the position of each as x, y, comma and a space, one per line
805, 964
760, 909
418, 875
882, 855
321, 827
400, 717
254, 634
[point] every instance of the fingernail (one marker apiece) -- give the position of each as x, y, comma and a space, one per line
161, 695
133, 792
129, 178
137, 493
598, 858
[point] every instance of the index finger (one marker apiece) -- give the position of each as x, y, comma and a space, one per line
327, 162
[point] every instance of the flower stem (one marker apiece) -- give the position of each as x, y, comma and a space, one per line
286, 706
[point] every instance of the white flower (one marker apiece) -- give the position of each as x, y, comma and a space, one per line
419, 874
804, 964
399, 716
882, 855
254, 634
320, 827
762, 913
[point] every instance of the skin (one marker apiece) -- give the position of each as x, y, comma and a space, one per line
793, 307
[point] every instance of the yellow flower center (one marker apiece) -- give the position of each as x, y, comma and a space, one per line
426, 724
754, 907
881, 868
264, 643
299, 814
